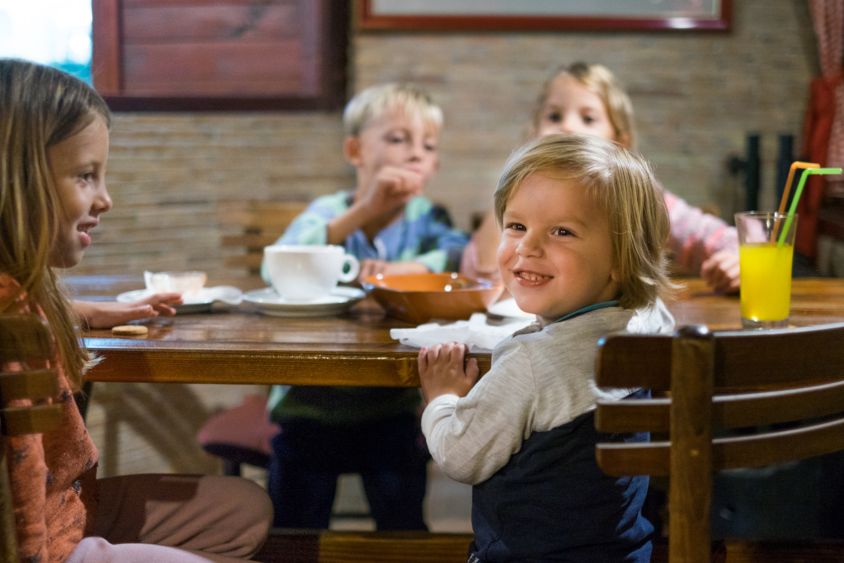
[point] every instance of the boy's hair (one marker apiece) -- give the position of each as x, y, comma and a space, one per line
40, 106
376, 100
599, 80
619, 182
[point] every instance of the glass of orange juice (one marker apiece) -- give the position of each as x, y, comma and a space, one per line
766, 252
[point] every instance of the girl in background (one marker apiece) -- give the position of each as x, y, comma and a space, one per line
587, 99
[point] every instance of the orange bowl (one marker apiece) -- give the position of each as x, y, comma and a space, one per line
417, 298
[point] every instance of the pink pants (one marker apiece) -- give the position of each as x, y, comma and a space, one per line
176, 518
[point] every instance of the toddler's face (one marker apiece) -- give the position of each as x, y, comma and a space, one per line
572, 108
78, 166
397, 139
555, 254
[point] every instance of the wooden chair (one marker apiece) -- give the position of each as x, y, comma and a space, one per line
249, 226
726, 400
242, 434
24, 340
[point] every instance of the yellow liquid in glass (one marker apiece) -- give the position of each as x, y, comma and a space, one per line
765, 281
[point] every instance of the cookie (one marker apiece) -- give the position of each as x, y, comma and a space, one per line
130, 330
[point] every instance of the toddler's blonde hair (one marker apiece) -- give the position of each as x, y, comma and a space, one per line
620, 183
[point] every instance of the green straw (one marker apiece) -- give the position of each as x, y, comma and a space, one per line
793, 209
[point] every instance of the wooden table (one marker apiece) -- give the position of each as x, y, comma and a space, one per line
352, 349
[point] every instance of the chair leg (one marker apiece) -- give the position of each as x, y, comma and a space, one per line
231, 467
83, 398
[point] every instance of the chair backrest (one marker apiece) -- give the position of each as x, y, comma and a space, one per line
251, 225
24, 339
705, 386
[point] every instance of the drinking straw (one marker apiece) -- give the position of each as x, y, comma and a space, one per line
793, 209
787, 189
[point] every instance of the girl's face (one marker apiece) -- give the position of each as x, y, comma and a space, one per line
78, 166
572, 108
394, 138
555, 254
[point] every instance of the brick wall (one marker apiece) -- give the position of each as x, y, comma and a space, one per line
696, 95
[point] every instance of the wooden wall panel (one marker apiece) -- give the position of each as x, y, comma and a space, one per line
229, 22
210, 69
220, 54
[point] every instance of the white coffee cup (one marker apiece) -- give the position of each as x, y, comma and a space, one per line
307, 273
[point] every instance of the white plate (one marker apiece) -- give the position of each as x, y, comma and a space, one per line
201, 302
508, 308
268, 302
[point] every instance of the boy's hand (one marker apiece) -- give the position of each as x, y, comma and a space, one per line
442, 370
721, 271
106, 314
391, 188
372, 267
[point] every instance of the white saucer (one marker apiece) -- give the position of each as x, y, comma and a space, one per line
201, 302
508, 308
268, 302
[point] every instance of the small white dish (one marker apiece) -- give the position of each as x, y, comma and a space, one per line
202, 301
508, 308
268, 302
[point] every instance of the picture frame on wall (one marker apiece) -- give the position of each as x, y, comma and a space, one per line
538, 15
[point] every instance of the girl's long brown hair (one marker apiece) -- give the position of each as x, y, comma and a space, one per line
39, 107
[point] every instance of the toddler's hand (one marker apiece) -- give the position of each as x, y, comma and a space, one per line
442, 370
106, 314
721, 271
392, 188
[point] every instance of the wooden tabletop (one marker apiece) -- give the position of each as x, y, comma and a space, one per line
355, 348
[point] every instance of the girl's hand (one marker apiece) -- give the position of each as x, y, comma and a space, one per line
106, 314
443, 369
721, 271
372, 267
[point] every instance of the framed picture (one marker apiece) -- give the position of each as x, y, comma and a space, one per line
571, 15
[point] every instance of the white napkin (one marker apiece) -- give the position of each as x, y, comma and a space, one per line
484, 333
478, 333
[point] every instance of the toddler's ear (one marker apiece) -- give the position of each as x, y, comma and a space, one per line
351, 150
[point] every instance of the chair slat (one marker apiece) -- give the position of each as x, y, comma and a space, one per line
633, 360
758, 360
30, 420
651, 458
758, 450
256, 241
23, 337
728, 411
633, 415
754, 360
33, 384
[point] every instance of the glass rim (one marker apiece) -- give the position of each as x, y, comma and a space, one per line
774, 214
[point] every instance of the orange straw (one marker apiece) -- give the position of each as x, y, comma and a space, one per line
787, 191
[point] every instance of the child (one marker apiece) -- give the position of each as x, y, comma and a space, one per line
54, 146
392, 134
586, 98
582, 246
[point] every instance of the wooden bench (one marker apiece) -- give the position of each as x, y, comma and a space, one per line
328, 546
